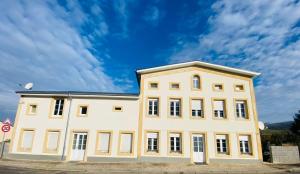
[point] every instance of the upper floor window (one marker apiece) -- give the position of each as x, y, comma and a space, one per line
118, 108
196, 82
219, 108
222, 144
241, 109
218, 87
32, 108
175, 142
59, 106
244, 141
197, 108
152, 142
175, 110
153, 106
239, 88
153, 85
83, 110
174, 86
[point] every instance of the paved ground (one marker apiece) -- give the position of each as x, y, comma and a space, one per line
37, 167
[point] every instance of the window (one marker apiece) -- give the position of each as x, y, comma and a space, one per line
52, 140
244, 141
152, 142
174, 86
126, 143
153, 106
32, 108
239, 88
196, 82
118, 108
219, 110
26, 140
197, 108
218, 87
175, 107
59, 106
175, 142
103, 142
83, 110
241, 109
153, 85
222, 144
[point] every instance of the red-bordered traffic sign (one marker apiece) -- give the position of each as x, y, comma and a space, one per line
5, 127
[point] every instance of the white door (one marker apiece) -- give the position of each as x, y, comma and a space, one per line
198, 148
78, 146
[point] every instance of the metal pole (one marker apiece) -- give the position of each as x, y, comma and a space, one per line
2, 148
67, 126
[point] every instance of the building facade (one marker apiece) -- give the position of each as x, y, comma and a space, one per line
190, 112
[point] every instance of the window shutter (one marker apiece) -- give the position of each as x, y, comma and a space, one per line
223, 137
27, 139
52, 141
174, 135
196, 104
104, 142
152, 135
219, 105
126, 141
244, 138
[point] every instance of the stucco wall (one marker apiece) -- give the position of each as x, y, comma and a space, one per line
208, 125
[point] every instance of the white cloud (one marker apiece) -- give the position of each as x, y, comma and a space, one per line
256, 35
39, 43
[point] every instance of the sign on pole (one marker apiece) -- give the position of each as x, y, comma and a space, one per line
5, 128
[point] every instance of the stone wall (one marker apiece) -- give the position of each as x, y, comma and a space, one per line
284, 154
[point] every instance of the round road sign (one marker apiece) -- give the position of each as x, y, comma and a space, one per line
5, 128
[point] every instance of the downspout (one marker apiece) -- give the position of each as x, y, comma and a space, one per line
67, 127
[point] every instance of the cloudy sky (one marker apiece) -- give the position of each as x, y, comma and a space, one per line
97, 45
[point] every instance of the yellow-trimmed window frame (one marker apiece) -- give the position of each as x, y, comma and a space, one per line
132, 143
174, 83
181, 152
158, 107
180, 107
45, 149
192, 82
235, 100
79, 111
146, 142
214, 87
250, 141
151, 87
29, 109
224, 109
20, 141
98, 152
52, 108
191, 107
242, 86
228, 144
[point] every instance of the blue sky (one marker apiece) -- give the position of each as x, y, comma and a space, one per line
97, 45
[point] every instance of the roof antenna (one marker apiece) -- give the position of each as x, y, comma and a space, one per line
28, 86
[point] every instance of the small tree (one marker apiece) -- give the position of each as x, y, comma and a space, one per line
295, 128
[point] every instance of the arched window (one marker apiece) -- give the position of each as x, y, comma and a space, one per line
196, 82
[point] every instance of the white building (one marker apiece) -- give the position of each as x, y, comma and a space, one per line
190, 112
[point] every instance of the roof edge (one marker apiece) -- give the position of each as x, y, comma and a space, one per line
198, 63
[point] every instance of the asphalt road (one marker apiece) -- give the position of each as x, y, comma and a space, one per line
19, 170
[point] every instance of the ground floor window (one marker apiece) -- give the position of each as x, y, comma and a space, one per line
175, 142
126, 143
103, 142
222, 144
26, 140
152, 142
244, 141
52, 141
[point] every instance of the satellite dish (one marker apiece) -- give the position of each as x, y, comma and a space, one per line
28, 86
261, 125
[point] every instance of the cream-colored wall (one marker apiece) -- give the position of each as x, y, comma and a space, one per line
100, 117
207, 125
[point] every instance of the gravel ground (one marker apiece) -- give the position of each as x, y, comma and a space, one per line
42, 167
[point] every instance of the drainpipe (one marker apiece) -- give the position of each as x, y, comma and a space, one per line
67, 127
